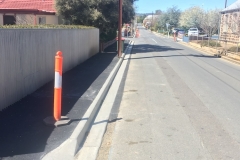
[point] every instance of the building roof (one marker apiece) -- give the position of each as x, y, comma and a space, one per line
150, 17
37, 5
234, 6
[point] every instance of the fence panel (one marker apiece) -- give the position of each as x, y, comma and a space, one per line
27, 57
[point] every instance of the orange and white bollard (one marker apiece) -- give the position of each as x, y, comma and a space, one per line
57, 120
137, 33
58, 86
174, 37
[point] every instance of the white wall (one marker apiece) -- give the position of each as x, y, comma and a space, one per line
51, 19
27, 57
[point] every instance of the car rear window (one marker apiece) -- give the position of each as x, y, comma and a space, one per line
193, 29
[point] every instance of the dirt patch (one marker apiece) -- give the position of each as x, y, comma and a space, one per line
103, 152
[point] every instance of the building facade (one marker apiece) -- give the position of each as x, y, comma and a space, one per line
31, 12
230, 23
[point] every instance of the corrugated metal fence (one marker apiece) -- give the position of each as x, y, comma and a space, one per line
27, 57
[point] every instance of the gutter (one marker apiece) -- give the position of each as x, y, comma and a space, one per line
35, 11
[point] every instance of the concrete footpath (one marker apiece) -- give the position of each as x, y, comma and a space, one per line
24, 136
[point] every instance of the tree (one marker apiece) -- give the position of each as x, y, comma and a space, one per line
191, 17
158, 12
141, 18
128, 10
171, 16
73, 11
210, 21
107, 20
102, 14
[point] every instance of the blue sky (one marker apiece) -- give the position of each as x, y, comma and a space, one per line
147, 6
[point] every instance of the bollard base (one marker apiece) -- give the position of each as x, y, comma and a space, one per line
50, 121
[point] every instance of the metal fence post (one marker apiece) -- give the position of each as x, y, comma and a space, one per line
237, 48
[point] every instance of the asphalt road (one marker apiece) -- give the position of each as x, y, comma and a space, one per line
176, 103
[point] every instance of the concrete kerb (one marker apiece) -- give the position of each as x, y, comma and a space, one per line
89, 150
69, 148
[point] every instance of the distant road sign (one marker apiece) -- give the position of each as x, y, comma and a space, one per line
167, 24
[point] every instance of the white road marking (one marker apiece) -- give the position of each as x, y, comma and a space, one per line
154, 40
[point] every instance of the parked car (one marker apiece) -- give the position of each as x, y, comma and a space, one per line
176, 30
193, 32
180, 34
180, 31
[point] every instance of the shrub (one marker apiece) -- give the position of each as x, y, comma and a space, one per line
211, 43
165, 33
234, 49
104, 37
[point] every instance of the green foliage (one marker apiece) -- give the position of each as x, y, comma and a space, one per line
158, 12
74, 10
102, 14
211, 43
164, 32
156, 27
106, 36
191, 17
141, 18
171, 16
44, 27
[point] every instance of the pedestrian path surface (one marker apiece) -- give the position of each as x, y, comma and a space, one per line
24, 136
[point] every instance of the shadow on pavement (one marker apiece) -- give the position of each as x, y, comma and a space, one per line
147, 48
144, 48
113, 47
23, 134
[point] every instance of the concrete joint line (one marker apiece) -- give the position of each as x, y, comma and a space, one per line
69, 148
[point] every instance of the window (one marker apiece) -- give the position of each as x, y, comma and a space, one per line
9, 20
42, 20
225, 23
234, 25
193, 29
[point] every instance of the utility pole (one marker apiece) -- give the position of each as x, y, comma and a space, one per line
120, 30
225, 3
